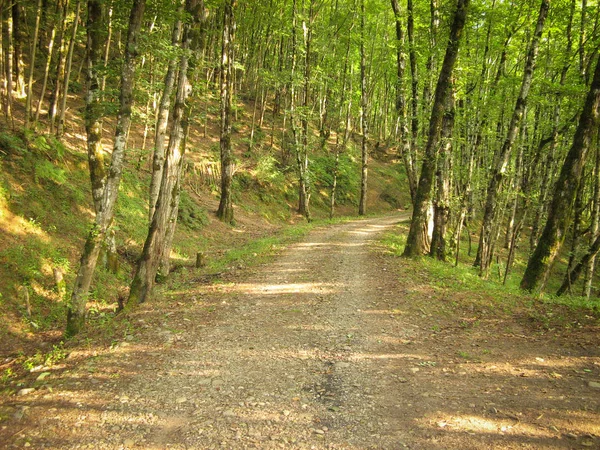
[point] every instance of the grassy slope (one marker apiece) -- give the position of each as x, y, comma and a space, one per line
45, 210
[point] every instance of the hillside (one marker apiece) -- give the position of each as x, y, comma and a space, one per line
45, 209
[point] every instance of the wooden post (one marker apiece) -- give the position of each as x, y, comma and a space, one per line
24, 296
200, 260
61, 287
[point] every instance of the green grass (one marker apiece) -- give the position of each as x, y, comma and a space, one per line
462, 288
259, 250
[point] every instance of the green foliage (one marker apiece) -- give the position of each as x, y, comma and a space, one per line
266, 172
190, 214
57, 354
323, 168
46, 171
12, 144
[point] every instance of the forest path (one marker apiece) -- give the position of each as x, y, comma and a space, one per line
328, 346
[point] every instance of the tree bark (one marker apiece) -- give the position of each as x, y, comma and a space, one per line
158, 158
93, 106
167, 203
362, 207
69, 63
412, 52
559, 214
501, 160
34, 43
416, 243
76, 310
225, 211
18, 50
407, 152
594, 226
441, 204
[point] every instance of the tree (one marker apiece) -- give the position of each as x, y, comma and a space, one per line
417, 242
76, 310
362, 206
156, 245
225, 211
501, 159
561, 207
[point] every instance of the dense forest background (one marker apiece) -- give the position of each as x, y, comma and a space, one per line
481, 116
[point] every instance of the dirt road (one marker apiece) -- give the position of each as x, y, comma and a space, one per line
321, 348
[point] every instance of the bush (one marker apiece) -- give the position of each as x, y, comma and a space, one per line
190, 214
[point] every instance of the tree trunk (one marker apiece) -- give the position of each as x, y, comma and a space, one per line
576, 272
69, 63
46, 72
34, 43
594, 226
441, 205
60, 62
167, 202
7, 38
225, 211
76, 311
559, 214
93, 106
407, 152
362, 207
501, 160
416, 243
158, 158
412, 51
18, 50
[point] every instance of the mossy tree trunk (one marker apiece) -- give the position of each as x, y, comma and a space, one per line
441, 204
406, 151
362, 206
225, 211
167, 204
501, 160
416, 243
565, 190
76, 310
158, 157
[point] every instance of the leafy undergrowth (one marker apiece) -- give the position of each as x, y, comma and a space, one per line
458, 297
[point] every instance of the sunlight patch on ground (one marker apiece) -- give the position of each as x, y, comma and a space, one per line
478, 424
384, 312
380, 356
312, 245
311, 327
291, 288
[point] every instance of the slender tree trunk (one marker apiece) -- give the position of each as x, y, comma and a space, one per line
167, 202
69, 63
7, 37
417, 243
441, 205
34, 43
158, 158
46, 72
18, 65
76, 311
580, 267
60, 61
93, 106
594, 226
500, 164
412, 51
362, 207
559, 214
302, 152
406, 151
225, 211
